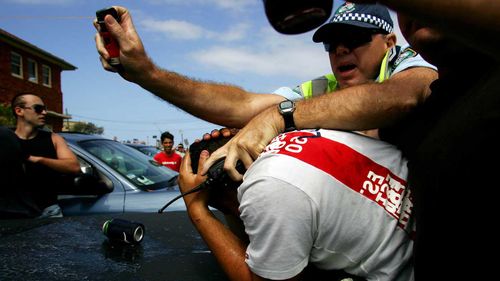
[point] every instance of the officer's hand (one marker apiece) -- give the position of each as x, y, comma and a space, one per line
248, 143
135, 65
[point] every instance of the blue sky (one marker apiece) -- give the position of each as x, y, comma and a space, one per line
228, 41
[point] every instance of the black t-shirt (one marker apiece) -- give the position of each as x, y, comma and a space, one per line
15, 202
454, 154
43, 182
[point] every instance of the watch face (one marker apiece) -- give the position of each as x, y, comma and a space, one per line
286, 105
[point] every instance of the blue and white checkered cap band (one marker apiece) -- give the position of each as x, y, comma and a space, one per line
376, 21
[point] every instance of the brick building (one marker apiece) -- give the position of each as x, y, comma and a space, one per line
26, 68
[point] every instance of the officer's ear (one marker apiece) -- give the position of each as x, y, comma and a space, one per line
390, 40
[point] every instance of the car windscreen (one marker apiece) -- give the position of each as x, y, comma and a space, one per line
138, 168
149, 150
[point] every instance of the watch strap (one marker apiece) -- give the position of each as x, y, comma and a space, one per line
289, 123
287, 114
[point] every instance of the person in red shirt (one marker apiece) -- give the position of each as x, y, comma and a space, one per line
168, 157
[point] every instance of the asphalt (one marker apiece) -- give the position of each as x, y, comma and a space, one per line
75, 248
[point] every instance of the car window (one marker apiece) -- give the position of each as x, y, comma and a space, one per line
149, 150
138, 168
88, 169
146, 149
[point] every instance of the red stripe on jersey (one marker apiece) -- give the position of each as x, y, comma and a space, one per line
353, 169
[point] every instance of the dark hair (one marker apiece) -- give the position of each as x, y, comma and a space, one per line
210, 145
18, 101
166, 135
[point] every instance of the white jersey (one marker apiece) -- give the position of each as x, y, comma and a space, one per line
338, 200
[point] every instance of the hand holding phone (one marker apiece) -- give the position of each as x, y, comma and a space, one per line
110, 42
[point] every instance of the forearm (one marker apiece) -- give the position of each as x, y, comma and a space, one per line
368, 106
226, 247
351, 111
65, 166
223, 104
226, 105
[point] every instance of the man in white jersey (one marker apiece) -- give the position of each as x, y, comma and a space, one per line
336, 200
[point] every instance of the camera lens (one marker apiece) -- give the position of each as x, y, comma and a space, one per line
295, 16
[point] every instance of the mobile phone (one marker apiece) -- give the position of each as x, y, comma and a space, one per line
110, 42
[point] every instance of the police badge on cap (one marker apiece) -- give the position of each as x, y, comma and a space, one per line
373, 16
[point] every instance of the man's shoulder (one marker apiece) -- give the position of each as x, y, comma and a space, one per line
404, 57
42, 133
402, 53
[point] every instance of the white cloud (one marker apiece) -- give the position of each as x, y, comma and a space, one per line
288, 56
238, 5
184, 30
269, 53
175, 28
234, 33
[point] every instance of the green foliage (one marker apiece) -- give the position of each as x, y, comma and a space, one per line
87, 128
6, 117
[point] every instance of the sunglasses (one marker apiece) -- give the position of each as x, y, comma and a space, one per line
38, 108
351, 40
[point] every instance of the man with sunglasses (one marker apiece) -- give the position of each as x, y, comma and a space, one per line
362, 48
47, 154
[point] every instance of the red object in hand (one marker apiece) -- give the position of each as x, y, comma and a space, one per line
110, 42
111, 46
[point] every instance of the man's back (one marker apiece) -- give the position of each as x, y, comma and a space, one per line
335, 199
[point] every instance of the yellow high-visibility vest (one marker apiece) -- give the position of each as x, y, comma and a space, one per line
328, 83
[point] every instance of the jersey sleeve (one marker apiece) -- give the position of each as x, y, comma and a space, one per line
279, 220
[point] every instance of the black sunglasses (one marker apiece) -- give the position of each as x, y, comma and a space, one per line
38, 108
351, 40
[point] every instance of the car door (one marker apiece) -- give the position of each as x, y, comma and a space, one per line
97, 190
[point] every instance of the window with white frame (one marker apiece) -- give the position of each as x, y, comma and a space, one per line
16, 65
46, 75
32, 71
